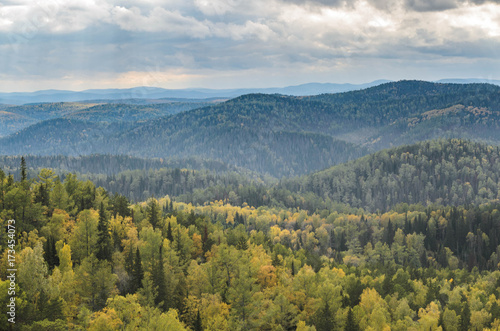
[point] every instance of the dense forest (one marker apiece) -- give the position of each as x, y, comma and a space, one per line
263, 212
449, 172
272, 134
88, 258
15, 118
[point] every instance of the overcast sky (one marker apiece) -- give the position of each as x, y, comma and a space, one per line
81, 44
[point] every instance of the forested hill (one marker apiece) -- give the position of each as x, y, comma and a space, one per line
109, 164
391, 101
449, 172
15, 118
279, 135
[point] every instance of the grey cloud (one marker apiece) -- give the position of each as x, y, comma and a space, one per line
388, 5
431, 5
483, 48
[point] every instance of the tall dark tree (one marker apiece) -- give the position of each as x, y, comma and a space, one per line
197, 323
351, 323
159, 281
153, 212
325, 319
120, 205
389, 233
464, 323
51, 253
138, 272
170, 237
129, 266
24, 176
104, 246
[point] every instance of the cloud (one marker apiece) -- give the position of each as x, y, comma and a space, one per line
125, 39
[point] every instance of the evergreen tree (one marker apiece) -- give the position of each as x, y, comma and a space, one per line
351, 323
170, 237
159, 281
325, 320
138, 272
24, 176
464, 324
389, 234
51, 253
197, 323
104, 247
153, 212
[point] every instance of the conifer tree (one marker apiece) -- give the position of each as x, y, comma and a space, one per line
24, 176
153, 212
464, 324
104, 249
197, 323
138, 272
159, 280
170, 237
351, 323
325, 320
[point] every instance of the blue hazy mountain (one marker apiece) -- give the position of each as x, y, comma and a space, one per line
154, 93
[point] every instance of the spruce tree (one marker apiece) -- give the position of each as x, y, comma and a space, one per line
51, 253
104, 249
153, 212
325, 320
170, 237
197, 323
351, 324
138, 273
24, 176
464, 324
159, 281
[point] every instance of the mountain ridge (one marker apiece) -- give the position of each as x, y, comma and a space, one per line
282, 135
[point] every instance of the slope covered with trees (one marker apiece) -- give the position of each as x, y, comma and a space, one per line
450, 172
275, 134
90, 260
16, 118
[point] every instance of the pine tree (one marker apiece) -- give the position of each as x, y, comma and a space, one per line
389, 235
24, 176
153, 212
159, 281
351, 324
464, 324
51, 253
197, 323
104, 248
325, 320
170, 237
138, 272
129, 268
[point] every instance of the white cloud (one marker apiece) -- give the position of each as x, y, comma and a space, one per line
63, 37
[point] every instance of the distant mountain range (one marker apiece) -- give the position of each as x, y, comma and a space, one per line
271, 134
155, 93
146, 95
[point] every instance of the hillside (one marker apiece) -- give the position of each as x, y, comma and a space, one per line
449, 172
11, 122
168, 265
16, 118
275, 134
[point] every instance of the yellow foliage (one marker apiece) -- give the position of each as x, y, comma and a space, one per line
105, 320
267, 276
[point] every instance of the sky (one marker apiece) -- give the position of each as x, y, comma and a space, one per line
83, 44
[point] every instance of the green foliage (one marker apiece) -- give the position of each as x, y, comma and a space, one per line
219, 266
